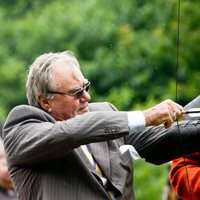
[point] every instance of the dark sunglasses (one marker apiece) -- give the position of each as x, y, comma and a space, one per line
77, 95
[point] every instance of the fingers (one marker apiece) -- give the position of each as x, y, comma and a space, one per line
166, 112
175, 107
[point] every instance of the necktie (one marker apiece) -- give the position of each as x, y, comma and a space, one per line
97, 170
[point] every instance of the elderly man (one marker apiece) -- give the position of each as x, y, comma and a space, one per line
63, 147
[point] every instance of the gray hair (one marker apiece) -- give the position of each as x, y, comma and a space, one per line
2, 151
40, 77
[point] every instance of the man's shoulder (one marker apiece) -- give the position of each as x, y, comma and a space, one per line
25, 109
24, 112
102, 106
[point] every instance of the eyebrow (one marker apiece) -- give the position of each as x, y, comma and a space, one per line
75, 89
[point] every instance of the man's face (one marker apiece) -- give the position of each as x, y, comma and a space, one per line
65, 106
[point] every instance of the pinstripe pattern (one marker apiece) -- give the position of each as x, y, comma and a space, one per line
46, 164
55, 170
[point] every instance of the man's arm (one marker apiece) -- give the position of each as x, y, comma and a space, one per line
32, 136
159, 145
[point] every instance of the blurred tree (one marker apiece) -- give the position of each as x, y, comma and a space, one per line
127, 50
129, 46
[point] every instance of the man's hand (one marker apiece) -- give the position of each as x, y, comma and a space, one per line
165, 112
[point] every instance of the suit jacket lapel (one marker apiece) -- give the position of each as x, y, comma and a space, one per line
84, 158
101, 155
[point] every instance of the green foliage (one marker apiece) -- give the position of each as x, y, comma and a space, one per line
123, 48
12, 83
127, 50
149, 180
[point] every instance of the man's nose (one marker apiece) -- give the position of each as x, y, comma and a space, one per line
85, 97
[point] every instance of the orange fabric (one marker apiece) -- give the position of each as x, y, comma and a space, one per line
186, 188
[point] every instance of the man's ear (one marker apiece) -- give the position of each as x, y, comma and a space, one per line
44, 103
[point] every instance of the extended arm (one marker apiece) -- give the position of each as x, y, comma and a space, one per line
32, 136
159, 145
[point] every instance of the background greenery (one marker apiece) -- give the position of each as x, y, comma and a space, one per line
126, 49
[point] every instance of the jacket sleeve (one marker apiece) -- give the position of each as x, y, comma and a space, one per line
186, 184
32, 136
158, 145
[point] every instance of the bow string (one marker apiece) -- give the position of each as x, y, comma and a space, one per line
177, 81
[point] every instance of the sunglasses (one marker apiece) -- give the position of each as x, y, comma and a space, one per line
77, 94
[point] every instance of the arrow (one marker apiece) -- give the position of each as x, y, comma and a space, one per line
193, 112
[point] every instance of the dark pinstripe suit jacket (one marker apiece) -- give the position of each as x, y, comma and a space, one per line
46, 162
